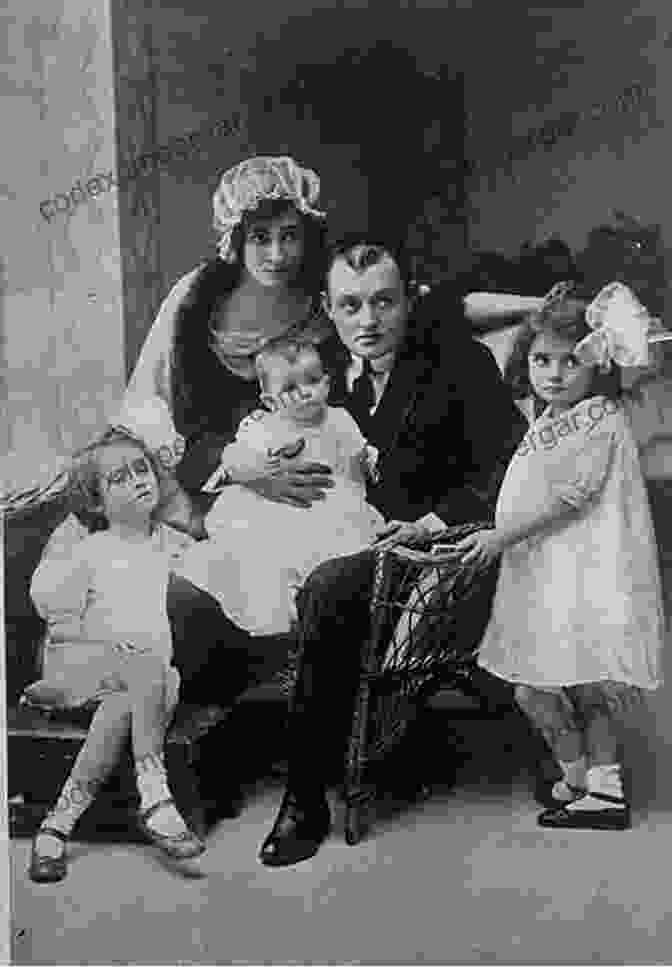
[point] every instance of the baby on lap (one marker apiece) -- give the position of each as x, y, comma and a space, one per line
260, 552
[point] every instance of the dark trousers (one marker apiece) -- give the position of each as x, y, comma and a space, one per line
334, 620
333, 608
217, 661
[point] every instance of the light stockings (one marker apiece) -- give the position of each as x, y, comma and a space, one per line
97, 758
144, 711
152, 706
578, 725
595, 708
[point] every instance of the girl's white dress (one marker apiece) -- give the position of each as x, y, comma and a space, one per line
582, 602
259, 551
102, 592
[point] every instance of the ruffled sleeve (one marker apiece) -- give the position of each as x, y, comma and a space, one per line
60, 588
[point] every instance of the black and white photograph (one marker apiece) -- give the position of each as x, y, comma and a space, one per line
336, 482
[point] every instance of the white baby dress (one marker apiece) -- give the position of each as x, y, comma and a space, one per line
260, 551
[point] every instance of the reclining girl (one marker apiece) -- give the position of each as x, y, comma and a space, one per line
109, 639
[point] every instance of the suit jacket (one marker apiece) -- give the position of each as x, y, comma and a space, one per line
446, 425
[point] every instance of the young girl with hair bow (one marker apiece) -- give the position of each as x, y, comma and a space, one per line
577, 623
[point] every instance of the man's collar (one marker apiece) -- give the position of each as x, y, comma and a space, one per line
381, 365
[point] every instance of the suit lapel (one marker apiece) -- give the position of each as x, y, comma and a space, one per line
397, 399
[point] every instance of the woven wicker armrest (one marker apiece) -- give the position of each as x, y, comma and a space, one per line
440, 549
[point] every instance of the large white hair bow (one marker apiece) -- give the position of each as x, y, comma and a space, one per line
622, 330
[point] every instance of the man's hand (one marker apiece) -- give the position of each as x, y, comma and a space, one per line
401, 532
480, 548
290, 481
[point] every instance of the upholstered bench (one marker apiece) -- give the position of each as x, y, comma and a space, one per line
43, 742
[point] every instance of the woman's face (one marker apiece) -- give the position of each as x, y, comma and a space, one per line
556, 375
273, 249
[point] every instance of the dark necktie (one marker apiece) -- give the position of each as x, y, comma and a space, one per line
363, 397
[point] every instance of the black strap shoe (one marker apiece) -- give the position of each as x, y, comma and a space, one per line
298, 832
48, 869
614, 815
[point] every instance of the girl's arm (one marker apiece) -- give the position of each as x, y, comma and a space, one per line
492, 309
59, 589
483, 547
571, 492
531, 524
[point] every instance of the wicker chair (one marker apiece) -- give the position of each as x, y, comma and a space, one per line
411, 654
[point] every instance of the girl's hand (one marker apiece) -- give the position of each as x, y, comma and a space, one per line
481, 548
400, 532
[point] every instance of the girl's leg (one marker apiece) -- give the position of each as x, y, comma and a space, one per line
97, 758
151, 707
554, 715
598, 706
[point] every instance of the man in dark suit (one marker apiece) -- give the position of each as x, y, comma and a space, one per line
432, 401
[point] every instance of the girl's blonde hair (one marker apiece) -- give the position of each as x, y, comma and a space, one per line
84, 477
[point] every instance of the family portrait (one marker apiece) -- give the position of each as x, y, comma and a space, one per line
336, 482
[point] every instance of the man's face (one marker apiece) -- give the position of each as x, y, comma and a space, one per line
369, 308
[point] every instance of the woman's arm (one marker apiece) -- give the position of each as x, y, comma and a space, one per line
151, 375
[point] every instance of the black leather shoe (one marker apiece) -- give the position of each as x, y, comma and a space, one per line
298, 832
614, 815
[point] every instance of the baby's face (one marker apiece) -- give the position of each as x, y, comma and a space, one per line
299, 389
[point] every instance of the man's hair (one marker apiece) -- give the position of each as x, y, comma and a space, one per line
361, 251
290, 350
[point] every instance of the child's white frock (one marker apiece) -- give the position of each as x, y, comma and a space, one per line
260, 551
582, 602
102, 592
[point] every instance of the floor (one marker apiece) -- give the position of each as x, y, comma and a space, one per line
465, 878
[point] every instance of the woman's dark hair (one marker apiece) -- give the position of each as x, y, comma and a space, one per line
565, 318
195, 370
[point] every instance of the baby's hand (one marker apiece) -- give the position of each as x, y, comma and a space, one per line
289, 450
128, 648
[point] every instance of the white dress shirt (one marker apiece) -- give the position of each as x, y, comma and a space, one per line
380, 375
